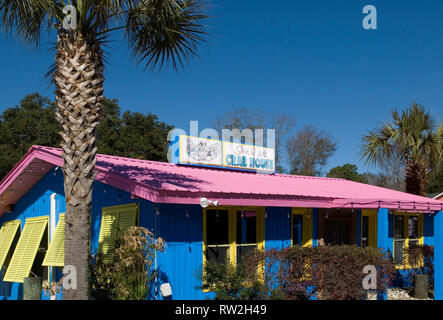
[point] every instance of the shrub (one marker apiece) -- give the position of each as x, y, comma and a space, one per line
421, 259
297, 273
230, 282
128, 274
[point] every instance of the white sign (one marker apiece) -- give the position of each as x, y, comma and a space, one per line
210, 152
243, 156
194, 150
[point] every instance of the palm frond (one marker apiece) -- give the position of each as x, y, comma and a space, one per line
164, 31
26, 18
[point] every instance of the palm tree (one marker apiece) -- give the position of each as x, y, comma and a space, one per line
158, 33
415, 138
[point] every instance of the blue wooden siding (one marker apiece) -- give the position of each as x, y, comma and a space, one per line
277, 228
428, 229
35, 203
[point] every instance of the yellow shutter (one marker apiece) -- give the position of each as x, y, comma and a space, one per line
114, 221
55, 256
7, 235
27, 247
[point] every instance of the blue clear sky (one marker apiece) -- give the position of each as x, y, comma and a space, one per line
310, 58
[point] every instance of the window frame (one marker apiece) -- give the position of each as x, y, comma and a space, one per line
307, 225
372, 216
406, 239
232, 231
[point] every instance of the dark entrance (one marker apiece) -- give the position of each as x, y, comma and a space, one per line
337, 232
337, 227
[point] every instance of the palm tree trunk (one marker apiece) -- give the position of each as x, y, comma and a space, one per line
79, 91
416, 178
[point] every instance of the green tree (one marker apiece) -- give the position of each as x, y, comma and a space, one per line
135, 135
309, 151
414, 136
157, 32
436, 179
348, 172
31, 122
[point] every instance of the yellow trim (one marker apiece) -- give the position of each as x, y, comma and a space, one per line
307, 225
26, 250
372, 214
232, 229
55, 256
406, 239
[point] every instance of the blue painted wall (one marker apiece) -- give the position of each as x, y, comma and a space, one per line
35, 203
277, 228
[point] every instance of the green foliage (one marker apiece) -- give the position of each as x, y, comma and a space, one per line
32, 122
436, 180
132, 134
348, 172
415, 137
157, 32
230, 282
130, 274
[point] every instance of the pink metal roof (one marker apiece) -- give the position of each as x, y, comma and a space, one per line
169, 183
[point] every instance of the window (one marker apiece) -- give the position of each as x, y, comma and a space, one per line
246, 241
364, 231
297, 229
301, 226
369, 228
217, 228
408, 232
229, 234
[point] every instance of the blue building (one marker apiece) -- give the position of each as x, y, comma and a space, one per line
252, 211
